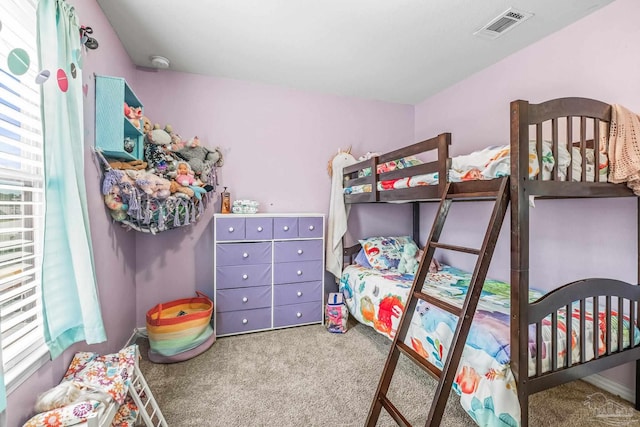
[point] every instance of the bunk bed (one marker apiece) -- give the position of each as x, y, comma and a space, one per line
570, 136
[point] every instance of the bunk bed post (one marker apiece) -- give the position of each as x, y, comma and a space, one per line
520, 251
416, 222
444, 162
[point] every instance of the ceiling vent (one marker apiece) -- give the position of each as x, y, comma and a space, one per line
503, 23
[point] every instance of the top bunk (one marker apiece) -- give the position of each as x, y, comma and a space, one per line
567, 131
400, 175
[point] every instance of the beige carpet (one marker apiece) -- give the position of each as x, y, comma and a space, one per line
306, 376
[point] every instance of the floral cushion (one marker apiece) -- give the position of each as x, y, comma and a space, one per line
69, 415
384, 253
127, 414
111, 373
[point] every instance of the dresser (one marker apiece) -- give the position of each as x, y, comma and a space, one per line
269, 271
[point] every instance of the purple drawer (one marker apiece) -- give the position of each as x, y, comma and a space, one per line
296, 293
243, 253
296, 314
310, 226
230, 228
285, 227
297, 250
259, 228
233, 322
242, 276
292, 272
243, 298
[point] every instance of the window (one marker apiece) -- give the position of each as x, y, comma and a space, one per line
21, 194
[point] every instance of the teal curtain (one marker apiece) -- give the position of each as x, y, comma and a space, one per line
71, 308
3, 394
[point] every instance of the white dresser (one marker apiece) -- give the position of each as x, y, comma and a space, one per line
269, 271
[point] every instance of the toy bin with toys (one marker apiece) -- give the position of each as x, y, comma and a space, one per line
153, 179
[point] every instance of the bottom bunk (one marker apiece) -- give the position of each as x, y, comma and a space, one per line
484, 380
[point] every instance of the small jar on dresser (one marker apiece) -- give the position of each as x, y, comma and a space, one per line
269, 271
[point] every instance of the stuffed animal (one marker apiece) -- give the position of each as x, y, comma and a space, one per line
151, 184
200, 158
368, 155
134, 114
155, 152
408, 261
146, 125
117, 208
180, 190
176, 140
185, 177
184, 174
133, 164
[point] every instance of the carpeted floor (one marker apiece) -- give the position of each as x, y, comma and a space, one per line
306, 376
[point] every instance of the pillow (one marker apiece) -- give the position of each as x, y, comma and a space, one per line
69, 415
384, 253
361, 259
111, 373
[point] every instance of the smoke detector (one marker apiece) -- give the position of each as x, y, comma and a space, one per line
159, 62
502, 23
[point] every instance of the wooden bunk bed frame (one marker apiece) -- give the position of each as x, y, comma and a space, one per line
556, 116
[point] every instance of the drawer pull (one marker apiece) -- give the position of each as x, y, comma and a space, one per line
245, 321
298, 314
285, 228
245, 277
300, 251
311, 227
245, 255
230, 229
299, 293
299, 272
259, 229
245, 299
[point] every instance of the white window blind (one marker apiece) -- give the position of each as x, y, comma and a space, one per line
21, 195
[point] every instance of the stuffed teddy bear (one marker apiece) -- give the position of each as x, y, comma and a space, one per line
199, 158
146, 125
408, 261
180, 190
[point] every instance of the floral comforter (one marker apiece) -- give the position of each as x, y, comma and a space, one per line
484, 379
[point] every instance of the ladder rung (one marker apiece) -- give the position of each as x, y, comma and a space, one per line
474, 195
393, 411
455, 248
429, 367
453, 309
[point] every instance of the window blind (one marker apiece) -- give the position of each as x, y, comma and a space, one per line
21, 192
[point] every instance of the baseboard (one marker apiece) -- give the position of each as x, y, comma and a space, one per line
137, 333
611, 386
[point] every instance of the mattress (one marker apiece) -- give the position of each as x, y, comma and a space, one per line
484, 379
490, 163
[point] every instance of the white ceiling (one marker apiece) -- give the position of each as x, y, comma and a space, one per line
391, 50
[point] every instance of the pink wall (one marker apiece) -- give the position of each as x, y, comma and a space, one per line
594, 58
276, 143
113, 248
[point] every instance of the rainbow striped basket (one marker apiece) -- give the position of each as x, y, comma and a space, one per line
180, 326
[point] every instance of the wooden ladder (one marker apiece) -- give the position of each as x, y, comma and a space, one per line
446, 376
